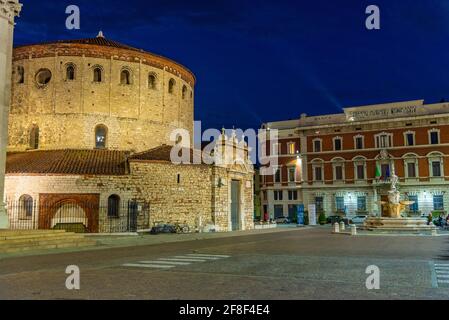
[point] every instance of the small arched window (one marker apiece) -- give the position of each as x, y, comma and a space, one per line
152, 81
20, 74
34, 138
70, 72
125, 77
114, 206
184, 92
171, 86
101, 133
98, 74
26, 207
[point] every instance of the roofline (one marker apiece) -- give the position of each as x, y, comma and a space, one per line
130, 49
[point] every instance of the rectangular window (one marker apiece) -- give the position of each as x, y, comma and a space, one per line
361, 203
293, 195
361, 172
337, 144
317, 145
384, 141
291, 148
434, 138
318, 174
410, 139
338, 173
436, 168
385, 171
277, 175
359, 143
411, 170
340, 204
415, 206
278, 211
438, 202
291, 174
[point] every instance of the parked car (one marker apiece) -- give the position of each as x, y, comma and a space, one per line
358, 220
338, 219
282, 220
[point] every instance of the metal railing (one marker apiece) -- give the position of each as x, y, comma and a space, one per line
80, 217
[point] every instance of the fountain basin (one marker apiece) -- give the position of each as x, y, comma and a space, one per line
411, 225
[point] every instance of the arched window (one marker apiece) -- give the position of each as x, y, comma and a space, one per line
98, 74
101, 133
34, 138
114, 206
152, 81
20, 74
171, 86
184, 92
70, 72
25, 207
125, 77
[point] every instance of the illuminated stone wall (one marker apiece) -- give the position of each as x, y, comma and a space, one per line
138, 116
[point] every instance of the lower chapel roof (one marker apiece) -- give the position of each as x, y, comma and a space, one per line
100, 162
81, 162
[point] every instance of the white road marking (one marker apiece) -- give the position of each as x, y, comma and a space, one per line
442, 271
441, 265
443, 281
181, 260
195, 257
442, 276
167, 262
139, 265
209, 255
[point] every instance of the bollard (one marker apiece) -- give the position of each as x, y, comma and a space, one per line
434, 232
342, 226
353, 230
336, 228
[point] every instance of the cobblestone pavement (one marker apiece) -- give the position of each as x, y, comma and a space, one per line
292, 264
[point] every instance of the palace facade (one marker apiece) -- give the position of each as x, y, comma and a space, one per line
342, 163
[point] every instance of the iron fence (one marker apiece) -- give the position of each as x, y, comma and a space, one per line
80, 217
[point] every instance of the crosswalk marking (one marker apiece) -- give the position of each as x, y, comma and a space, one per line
174, 261
195, 257
167, 262
208, 255
440, 274
143, 265
182, 260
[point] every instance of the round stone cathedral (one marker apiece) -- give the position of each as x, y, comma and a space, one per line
96, 94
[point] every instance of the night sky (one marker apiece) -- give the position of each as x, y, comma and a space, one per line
258, 61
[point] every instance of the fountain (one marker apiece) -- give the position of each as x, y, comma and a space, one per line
392, 220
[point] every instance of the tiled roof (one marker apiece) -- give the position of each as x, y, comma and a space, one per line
98, 41
70, 162
162, 153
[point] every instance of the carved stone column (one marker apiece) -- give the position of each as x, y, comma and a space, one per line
9, 9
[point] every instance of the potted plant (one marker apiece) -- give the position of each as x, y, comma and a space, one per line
322, 219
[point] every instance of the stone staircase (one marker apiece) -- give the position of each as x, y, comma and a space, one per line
12, 241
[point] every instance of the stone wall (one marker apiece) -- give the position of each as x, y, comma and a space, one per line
66, 111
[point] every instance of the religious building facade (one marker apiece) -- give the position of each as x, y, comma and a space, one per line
91, 131
342, 163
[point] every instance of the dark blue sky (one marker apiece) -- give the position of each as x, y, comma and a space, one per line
259, 61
